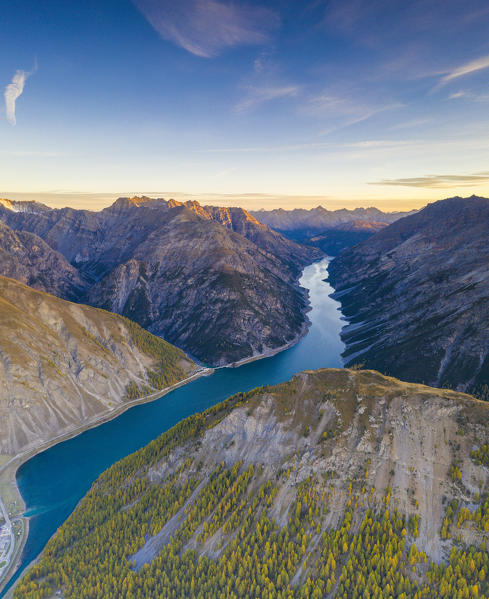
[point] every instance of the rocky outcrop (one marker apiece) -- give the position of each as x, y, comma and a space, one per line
64, 365
27, 258
335, 480
416, 296
215, 281
294, 255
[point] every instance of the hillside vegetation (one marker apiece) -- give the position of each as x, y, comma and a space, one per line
338, 483
64, 364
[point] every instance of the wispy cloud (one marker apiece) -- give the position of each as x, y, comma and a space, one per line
13, 91
206, 27
466, 69
258, 95
438, 181
469, 96
345, 110
370, 144
411, 124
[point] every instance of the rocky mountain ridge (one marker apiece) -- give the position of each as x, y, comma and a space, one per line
319, 218
417, 296
335, 484
329, 230
28, 259
213, 281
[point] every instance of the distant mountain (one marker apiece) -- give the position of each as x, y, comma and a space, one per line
330, 230
215, 282
64, 365
335, 484
417, 296
27, 258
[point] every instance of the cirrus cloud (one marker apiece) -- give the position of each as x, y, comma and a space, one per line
206, 27
13, 91
466, 69
258, 95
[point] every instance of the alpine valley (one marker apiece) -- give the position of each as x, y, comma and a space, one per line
340, 483
213, 281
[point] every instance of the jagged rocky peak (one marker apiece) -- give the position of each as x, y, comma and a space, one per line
329, 230
6, 203
126, 203
30, 206
223, 291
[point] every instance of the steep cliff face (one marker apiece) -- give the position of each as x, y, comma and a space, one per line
27, 258
216, 282
205, 289
63, 365
416, 296
337, 483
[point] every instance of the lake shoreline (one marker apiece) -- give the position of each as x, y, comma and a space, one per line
8, 472
310, 324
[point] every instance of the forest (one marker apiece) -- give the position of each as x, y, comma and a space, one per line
246, 530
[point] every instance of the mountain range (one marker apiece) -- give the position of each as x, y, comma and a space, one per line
416, 296
212, 281
330, 230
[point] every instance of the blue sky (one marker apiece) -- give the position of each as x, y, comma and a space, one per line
287, 103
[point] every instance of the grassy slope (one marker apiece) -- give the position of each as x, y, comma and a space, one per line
61, 363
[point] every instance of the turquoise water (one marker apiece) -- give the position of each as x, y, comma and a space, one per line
54, 481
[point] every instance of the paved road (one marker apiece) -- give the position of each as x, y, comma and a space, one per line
8, 557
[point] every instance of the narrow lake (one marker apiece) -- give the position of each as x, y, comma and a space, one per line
54, 481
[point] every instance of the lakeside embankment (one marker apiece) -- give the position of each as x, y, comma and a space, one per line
8, 471
9, 465
8, 483
54, 481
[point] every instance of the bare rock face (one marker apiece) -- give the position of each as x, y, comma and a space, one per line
63, 365
416, 296
27, 258
215, 281
332, 469
243, 222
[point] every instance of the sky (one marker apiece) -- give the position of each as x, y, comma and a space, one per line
261, 104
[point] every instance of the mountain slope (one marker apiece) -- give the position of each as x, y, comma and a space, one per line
417, 296
27, 258
62, 365
182, 271
329, 230
243, 222
336, 484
